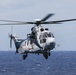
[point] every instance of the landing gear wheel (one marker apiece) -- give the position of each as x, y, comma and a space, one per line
49, 53
45, 55
24, 57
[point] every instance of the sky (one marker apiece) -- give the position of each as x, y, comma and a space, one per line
29, 10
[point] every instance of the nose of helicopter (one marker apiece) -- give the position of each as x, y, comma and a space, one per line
52, 45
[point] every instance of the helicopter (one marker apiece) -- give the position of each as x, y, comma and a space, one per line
39, 41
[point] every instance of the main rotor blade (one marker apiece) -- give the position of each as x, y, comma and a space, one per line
21, 23
58, 22
48, 16
11, 21
40, 22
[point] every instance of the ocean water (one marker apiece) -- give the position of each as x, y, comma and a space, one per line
59, 63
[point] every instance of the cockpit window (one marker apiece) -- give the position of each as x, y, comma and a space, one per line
49, 34
45, 35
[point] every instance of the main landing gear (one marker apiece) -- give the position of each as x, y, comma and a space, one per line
24, 56
46, 55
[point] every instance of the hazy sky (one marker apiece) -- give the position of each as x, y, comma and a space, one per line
28, 10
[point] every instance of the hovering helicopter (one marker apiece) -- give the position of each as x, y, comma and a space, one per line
39, 41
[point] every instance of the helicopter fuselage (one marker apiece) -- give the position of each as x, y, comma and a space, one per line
39, 41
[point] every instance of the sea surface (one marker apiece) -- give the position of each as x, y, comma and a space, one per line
59, 63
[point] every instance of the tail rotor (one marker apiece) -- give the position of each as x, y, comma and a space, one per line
10, 41
11, 37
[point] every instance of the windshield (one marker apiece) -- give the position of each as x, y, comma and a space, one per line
45, 35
